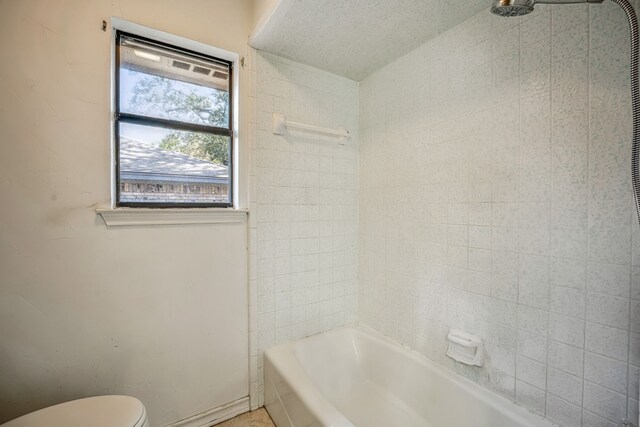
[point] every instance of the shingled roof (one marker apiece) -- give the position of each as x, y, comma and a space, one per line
140, 161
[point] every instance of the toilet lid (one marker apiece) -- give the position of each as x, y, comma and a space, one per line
101, 411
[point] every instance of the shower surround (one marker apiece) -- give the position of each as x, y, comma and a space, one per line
303, 208
488, 189
495, 197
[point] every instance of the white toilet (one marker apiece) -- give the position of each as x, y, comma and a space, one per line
100, 411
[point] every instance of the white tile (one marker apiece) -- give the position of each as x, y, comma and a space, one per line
605, 403
562, 412
504, 238
569, 42
288, 239
505, 275
607, 341
613, 215
568, 186
533, 320
535, 188
635, 316
532, 346
635, 280
543, 270
566, 358
632, 409
534, 241
458, 213
535, 121
605, 23
605, 372
480, 191
479, 282
567, 301
533, 287
566, 329
480, 237
502, 359
530, 397
589, 419
570, 16
608, 310
457, 256
570, 137
609, 246
480, 260
568, 243
611, 279
505, 215
535, 56
536, 26
569, 273
535, 215
564, 385
531, 372
505, 191
634, 349
634, 378
503, 385
458, 235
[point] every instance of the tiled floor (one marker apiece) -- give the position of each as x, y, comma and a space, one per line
257, 418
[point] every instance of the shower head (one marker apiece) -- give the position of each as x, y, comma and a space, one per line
523, 7
512, 7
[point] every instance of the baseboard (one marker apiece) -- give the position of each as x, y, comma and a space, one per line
216, 415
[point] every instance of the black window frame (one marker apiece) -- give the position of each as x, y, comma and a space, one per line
120, 117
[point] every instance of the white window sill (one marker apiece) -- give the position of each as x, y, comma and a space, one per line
126, 217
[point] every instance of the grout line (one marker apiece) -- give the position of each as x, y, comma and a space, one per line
515, 373
550, 23
588, 201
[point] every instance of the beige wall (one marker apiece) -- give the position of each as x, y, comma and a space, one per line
87, 310
261, 9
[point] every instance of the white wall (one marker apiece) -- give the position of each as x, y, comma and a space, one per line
160, 312
303, 229
495, 197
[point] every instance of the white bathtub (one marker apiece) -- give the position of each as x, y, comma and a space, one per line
353, 376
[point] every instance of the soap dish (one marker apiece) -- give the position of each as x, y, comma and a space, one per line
465, 348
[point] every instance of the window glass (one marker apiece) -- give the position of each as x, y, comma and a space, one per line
159, 165
173, 127
157, 82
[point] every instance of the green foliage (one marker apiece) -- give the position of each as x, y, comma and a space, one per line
212, 148
159, 96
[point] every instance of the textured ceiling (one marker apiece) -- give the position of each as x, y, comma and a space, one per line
353, 38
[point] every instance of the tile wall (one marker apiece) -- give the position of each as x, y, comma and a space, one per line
303, 207
495, 197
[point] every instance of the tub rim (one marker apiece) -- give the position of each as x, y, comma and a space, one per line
284, 358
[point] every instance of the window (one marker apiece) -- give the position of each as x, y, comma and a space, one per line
174, 138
